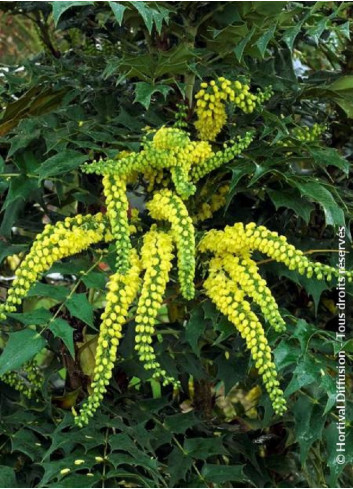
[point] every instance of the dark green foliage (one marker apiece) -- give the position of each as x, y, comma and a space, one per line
99, 72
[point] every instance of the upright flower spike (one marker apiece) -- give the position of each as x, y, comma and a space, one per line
117, 211
229, 299
57, 241
167, 206
244, 272
122, 290
156, 257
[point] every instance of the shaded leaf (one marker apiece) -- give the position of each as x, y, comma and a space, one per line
19, 349
60, 7
62, 329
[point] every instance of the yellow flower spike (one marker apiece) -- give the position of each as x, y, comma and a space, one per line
156, 256
244, 272
117, 211
210, 106
230, 301
122, 290
221, 157
54, 243
167, 206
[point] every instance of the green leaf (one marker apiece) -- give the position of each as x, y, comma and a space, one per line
309, 423
151, 15
220, 474
61, 163
318, 193
25, 441
178, 464
118, 11
239, 170
21, 188
203, 448
329, 157
79, 307
94, 280
306, 373
317, 30
290, 35
231, 370
291, 199
7, 477
263, 41
194, 329
60, 7
37, 317
61, 329
239, 50
57, 292
144, 92
19, 349
179, 423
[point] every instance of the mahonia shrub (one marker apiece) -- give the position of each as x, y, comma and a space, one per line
171, 164
175, 194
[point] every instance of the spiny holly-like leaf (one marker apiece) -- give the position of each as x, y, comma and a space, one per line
19, 349
220, 474
60, 7
61, 329
118, 10
291, 199
79, 307
318, 193
61, 163
309, 423
144, 92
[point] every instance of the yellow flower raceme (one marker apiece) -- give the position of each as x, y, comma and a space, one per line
117, 211
122, 290
167, 206
221, 157
244, 272
211, 100
229, 299
240, 239
156, 256
169, 153
56, 242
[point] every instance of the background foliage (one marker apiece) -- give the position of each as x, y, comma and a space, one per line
80, 80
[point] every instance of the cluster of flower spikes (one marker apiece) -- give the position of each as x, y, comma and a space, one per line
28, 380
211, 100
57, 241
234, 275
169, 150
